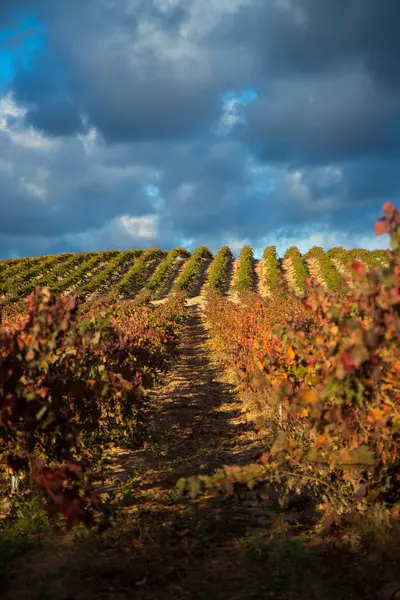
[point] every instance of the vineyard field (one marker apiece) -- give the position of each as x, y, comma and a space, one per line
199, 425
90, 274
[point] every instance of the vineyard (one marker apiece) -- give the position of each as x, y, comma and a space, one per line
156, 273
189, 425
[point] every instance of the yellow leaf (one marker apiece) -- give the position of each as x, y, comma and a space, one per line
308, 396
290, 353
377, 414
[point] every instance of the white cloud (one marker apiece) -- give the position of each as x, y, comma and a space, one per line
140, 227
236, 245
328, 176
306, 237
36, 187
89, 140
12, 123
31, 139
204, 15
8, 108
232, 109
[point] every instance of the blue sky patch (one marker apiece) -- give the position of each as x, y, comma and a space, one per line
19, 40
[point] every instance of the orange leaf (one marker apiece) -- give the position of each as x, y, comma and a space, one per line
308, 396
290, 353
381, 228
377, 414
357, 266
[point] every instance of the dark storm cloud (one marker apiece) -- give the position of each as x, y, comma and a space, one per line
371, 178
132, 76
128, 69
294, 37
149, 74
330, 78
91, 207
79, 193
47, 92
325, 119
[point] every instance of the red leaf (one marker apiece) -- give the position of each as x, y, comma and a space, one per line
348, 361
388, 208
381, 227
357, 266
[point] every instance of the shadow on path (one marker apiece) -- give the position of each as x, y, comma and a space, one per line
201, 279
195, 422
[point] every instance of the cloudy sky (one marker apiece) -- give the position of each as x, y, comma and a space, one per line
139, 123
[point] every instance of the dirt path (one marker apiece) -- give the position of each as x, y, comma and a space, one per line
195, 425
260, 289
258, 270
194, 420
231, 293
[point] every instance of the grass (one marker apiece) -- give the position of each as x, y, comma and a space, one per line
24, 530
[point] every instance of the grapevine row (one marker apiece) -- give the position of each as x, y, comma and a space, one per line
7, 263
271, 271
85, 266
296, 269
219, 272
329, 274
100, 280
383, 256
26, 277
62, 270
136, 276
15, 267
245, 273
165, 269
192, 270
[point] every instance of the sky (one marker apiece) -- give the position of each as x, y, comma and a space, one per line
164, 123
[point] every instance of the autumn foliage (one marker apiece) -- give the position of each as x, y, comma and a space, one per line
321, 378
72, 382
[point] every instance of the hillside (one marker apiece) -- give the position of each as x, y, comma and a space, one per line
211, 426
90, 274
